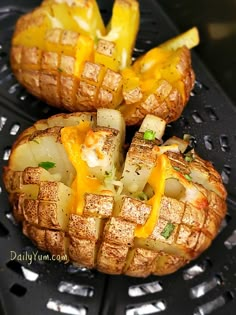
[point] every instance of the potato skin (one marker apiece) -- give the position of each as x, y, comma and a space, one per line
55, 83
168, 101
50, 77
103, 236
51, 73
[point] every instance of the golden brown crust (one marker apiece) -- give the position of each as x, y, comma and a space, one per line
83, 252
169, 99
119, 231
12, 180
36, 234
141, 264
55, 243
193, 217
103, 236
30, 211
105, 47
111, 258
166, 264
17, 201
134, 210
49, 70
48, 216
98, 205
166, 209
44, 74
84, 227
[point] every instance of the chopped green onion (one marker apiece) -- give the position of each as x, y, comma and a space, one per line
149, 135
188, 177
142, 196
176, 168
188, 158
168, 230
47, 165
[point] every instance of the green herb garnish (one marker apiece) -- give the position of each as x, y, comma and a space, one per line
59, 70
149, 135
168, 230
47, 165
189, 157
142, 196
176, 168
188, 177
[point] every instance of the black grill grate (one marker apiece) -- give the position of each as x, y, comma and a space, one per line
206, 286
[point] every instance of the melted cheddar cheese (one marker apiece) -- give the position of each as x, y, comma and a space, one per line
72, 139
75, 138
92, 149
157, 182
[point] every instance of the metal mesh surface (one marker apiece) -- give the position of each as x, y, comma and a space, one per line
42, 286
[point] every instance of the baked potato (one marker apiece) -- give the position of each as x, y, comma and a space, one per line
63, 54
148, 210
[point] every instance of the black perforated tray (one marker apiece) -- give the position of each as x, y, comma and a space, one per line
206, 286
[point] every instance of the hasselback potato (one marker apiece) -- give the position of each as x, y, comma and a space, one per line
63, 54
149, 210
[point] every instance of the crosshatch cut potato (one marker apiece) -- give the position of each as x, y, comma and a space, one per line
63, 54
149, 210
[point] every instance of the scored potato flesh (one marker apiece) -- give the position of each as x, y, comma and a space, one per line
63, 54
167, 79
66, 47
107, 233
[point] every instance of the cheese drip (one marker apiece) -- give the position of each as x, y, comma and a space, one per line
157, 182
72, 139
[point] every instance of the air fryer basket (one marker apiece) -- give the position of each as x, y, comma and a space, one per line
205, 286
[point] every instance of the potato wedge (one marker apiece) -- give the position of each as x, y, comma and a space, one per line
149, 211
